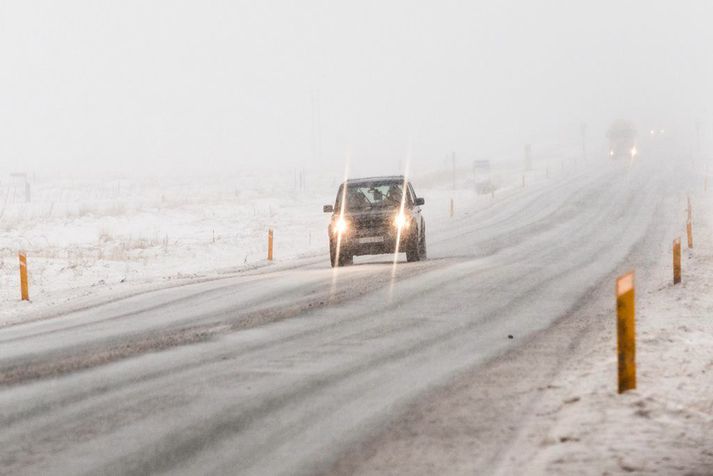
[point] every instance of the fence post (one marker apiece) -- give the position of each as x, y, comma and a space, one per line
269, 244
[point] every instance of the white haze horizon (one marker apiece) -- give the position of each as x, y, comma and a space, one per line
177, 87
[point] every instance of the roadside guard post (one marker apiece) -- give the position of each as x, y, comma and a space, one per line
626, 332
689, 233
677, 261
24, 291
269, 244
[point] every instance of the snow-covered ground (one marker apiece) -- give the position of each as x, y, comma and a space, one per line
86, 237
664, 426
95, 236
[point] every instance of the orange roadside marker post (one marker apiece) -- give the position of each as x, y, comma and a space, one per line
626, 332
689, 234
677, 261
269, 244
24, 289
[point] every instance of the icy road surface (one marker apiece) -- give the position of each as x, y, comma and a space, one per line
278, 371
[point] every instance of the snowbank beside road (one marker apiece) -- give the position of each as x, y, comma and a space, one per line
663, 427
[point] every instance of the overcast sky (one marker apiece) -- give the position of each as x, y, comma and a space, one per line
228, 84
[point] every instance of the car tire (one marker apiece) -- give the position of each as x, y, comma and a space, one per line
417, 251
344, 258
413, 252
422, 245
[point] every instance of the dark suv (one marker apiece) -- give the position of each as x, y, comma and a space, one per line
375, 216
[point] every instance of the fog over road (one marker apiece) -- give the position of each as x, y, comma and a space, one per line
280, 370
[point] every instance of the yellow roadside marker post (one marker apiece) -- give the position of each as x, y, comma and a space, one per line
689, 233
24, 290
626, 332
677, 261
269, 244
689, 209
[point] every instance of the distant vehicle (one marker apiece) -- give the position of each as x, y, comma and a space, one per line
373, 216
622, 140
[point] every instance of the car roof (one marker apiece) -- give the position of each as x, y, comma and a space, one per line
386, 178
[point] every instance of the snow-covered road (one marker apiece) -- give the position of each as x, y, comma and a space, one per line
280, 371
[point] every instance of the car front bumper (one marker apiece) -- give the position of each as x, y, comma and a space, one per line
371, 242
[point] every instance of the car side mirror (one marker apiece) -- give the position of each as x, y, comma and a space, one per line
328, 209
420, 201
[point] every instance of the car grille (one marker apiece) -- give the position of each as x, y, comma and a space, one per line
372, 225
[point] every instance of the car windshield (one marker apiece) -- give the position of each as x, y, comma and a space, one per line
365, 196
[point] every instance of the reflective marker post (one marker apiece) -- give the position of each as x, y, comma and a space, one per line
626, 332
677, 261
269, 244
24, 291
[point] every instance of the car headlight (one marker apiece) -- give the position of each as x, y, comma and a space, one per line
400, 221
340, 226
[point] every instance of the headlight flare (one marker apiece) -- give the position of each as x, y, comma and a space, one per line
398, 218
401, 222
340, 226
335, 269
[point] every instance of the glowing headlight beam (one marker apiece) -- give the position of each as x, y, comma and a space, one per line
340, 222
401, 218
400, 221
340, 227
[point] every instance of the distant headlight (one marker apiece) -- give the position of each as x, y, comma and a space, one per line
633, 151
400, 221
340, 226
611, 153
